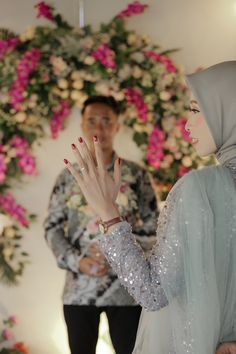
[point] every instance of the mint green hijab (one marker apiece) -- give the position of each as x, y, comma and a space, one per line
215, 91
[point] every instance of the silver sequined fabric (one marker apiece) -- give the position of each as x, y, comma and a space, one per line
139, 274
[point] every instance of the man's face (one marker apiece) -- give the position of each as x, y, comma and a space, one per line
100, 120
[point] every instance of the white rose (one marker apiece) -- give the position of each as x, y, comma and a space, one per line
137, 72
9, 232
89, 60
4, 222
28, 34
63, 84
65, 94
7, 252
20, 117
119, 96
87, 42
186, 161
31, 104
125, 72
132, 38
168, 123
75, 95
76, 75
11, 153
147, 80
122, 199
102, 88
78, 84
138, 57
82, 97
165, 96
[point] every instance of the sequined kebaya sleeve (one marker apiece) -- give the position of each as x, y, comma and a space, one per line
141, 275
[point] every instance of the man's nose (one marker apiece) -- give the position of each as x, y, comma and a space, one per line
98, 128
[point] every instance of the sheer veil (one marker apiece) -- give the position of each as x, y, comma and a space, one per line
197, 267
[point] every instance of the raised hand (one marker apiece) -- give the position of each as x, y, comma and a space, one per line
98, 187
227, 348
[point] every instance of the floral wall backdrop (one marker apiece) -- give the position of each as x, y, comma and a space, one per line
46, 71
41, 262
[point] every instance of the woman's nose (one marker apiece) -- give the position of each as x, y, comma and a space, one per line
187, 126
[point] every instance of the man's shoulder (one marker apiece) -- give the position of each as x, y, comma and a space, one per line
65, 176
133, 166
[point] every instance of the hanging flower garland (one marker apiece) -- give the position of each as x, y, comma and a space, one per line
46, 71
8, 345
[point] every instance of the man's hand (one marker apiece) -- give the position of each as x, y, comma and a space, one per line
227, 348
96, 254
91, 267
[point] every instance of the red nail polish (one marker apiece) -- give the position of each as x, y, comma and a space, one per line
66, 161
95, 138
80, 140
73, 146
119, 160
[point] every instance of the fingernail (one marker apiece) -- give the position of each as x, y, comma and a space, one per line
80, 140
66, 161
119, 160
95, 138
73, 146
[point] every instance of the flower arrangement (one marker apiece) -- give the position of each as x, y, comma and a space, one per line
7, 343
47, 70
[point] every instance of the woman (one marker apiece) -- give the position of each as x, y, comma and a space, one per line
190, 277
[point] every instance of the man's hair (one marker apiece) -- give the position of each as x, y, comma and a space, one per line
107, 100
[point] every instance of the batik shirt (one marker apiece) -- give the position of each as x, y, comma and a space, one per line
71, 227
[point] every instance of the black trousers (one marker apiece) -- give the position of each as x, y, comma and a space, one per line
83, 322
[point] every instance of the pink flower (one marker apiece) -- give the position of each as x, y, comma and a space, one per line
123, 187
105, 55
133, 96
13, 320
183, 170
58, 119
155, 150
3, 168
21, 347
9, 206
28, 164
25, 68
170, 67
44, 10
7, 334
7, 46
133, 8
20, 144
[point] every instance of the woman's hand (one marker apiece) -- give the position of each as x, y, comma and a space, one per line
227, 348
98, 187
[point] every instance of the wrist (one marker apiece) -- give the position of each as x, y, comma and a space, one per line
104, 226
110, 212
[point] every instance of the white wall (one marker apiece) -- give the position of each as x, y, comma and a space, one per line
205, 30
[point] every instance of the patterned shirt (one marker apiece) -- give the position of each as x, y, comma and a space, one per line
71, 227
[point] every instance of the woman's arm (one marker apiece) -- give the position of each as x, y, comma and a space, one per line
141, 275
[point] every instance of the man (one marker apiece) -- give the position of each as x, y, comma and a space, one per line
71, 231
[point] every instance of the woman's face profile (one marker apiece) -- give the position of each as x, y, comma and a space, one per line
198, 129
